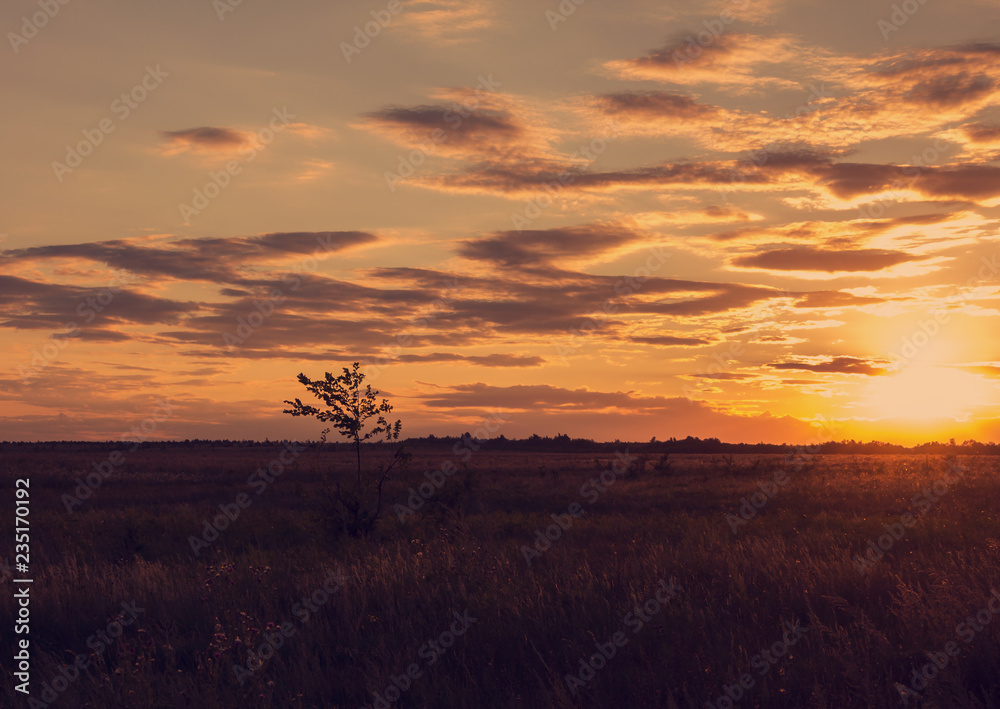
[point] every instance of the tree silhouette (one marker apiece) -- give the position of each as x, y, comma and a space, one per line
350, 410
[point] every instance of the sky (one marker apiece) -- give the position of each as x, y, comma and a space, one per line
756, 220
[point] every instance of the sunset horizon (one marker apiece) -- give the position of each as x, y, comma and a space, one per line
736, 222
482, 354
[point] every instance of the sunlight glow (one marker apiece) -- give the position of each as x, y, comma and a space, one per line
926, 393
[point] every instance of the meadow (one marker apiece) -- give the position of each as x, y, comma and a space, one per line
525, 579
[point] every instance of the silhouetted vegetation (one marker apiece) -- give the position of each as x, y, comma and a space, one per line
790, 563
358, 416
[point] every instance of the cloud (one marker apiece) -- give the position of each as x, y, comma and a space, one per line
493, 360
31, 305
683, 218
602, 415
541, 397
220, 260
755, 11
729, 59
805, 258
982, 132
663, 106
890, 95
205, 140
484, 132
313, 170
479, 125
535, 247
834, 299
835, 365
955, 90
672, 341
447, 21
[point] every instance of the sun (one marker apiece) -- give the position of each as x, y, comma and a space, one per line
926, 393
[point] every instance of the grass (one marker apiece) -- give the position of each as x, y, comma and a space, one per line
462, 553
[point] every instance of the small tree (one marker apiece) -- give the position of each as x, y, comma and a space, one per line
350, 410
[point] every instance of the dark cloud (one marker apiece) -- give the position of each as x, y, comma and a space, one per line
972, 182
728, 213
207, 137
214, 260
532, 247
781, 170
671, 341
493, 360
549, 297
730, 58
654, 105
31, 305
487, 131
837, 365
950, 91
982, 132
721, 297
543, 396
93, 334
807, 258
475, 127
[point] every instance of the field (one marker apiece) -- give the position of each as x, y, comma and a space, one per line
649, 590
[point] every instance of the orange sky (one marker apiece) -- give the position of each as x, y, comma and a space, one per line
749, 219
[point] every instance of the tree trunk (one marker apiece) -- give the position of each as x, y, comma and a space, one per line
357, 450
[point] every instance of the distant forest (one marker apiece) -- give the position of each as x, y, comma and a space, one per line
563, 443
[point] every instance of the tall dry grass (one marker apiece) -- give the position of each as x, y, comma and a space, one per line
791, 563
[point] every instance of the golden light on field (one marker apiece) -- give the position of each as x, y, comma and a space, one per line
925, 393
